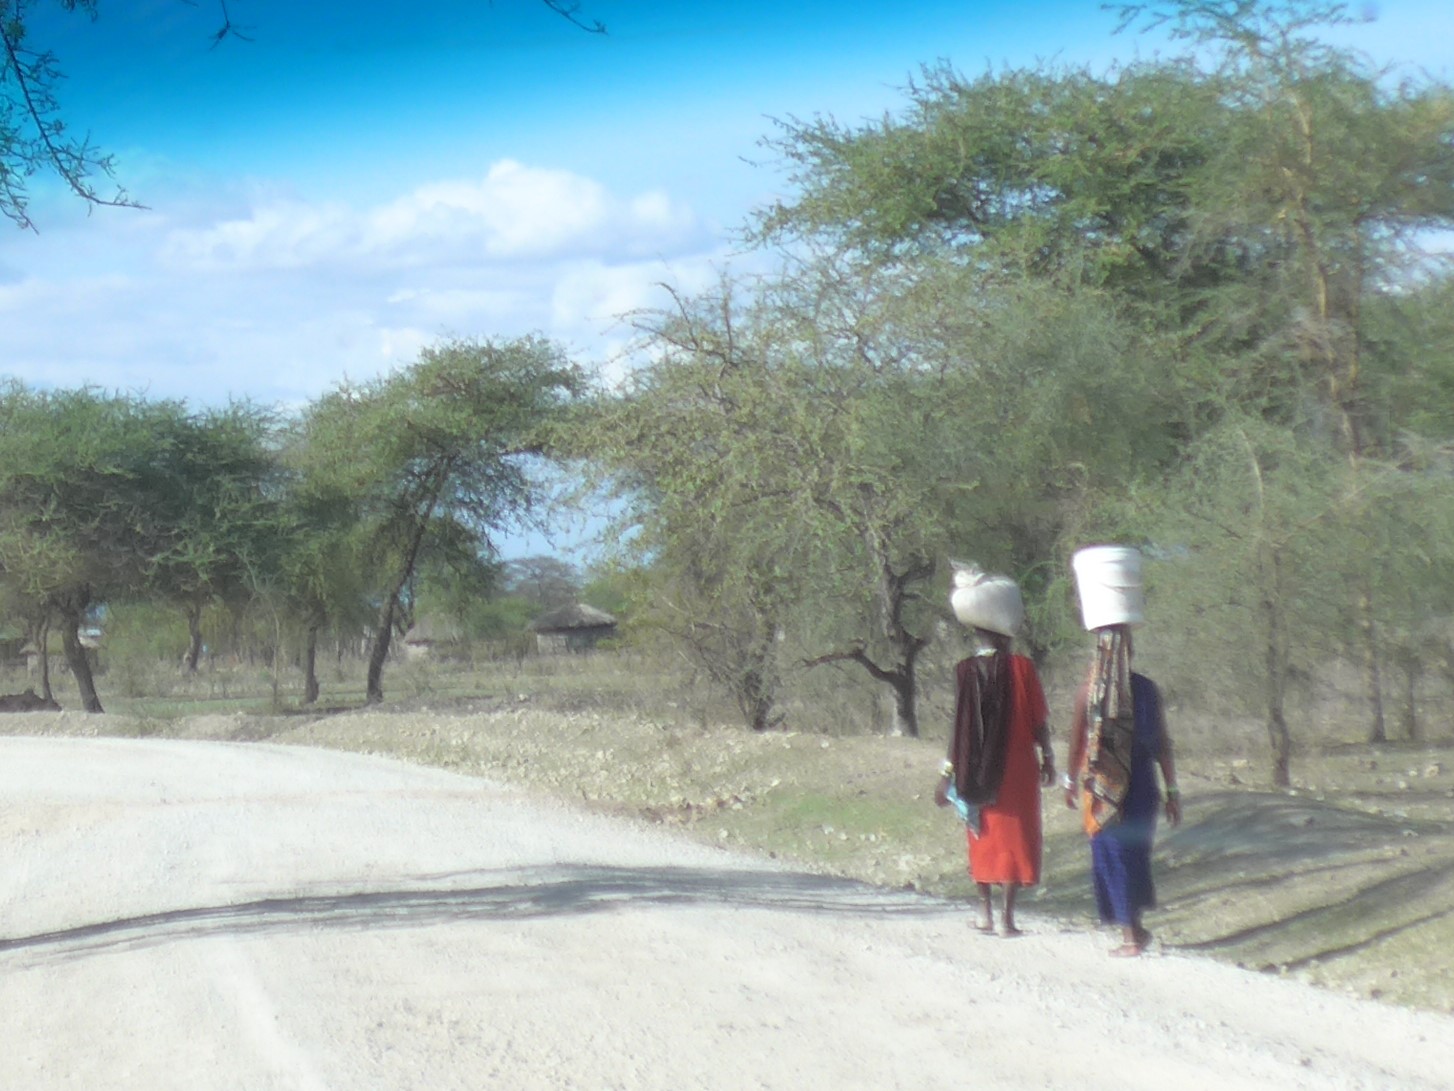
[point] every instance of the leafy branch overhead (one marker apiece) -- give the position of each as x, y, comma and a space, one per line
37, 138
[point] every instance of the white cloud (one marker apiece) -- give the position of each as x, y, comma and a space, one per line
245, 291
515, 212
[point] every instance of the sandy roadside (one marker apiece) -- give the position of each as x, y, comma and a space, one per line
206, 915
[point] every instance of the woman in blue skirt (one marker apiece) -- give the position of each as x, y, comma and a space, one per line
1118, 741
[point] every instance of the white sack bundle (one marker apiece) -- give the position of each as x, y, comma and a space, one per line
983, 601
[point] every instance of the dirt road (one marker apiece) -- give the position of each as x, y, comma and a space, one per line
205, 915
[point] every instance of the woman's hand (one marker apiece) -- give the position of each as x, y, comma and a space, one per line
941, 792
1047, 770
1173, 810
1070, 794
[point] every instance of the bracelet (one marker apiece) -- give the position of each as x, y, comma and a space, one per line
946, 768
1173, 792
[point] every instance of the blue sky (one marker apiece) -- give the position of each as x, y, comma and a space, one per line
361, 179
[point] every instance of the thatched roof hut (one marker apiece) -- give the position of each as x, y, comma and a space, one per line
573, 628
431, 636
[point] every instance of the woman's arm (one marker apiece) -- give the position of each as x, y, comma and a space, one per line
1075, 757
1047, 754
946, 767
1167, 760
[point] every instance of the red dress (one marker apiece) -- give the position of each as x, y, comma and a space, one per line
1007, 848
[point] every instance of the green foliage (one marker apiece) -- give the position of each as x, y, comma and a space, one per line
222, 498
34, 136
1184, 304
501, 618
1052, 174
1245, 578
797, 464
1408, 362
685, 445
546, 582
435, 456
450, 432
144, 648
614, 592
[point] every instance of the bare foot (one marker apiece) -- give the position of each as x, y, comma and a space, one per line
1126, 950
983, 923
1009, 931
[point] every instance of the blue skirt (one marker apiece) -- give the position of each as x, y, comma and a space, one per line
1121, 870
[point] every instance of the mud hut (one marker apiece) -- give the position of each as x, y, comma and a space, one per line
573, 628
432, 638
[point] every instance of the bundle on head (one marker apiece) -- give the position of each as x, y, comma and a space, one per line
992, 606
984, 601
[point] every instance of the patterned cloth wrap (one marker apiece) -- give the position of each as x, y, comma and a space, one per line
1110, 733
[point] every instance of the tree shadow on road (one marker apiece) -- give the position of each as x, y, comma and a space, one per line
515, 894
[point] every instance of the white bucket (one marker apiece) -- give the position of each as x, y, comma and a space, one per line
983, 601
1109, 581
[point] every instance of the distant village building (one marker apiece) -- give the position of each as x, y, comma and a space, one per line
574, 628
431, 637
12, 645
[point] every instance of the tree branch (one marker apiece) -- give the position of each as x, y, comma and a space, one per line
853, 655
31, 72
571, 13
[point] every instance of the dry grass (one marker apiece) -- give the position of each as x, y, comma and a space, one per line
1347, 880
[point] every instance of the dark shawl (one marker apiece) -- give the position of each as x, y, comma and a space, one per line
977, 746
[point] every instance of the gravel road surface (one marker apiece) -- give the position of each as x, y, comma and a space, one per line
208, 915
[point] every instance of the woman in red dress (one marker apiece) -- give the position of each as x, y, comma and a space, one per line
993, 772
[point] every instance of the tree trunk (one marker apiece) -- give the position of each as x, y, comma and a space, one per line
1412, 671
1372, 675
310, 664
906, 710
755, 700
1277, 733
379, 653
892, 595
1281, 741
194, 636
385, 635
41, 638
78, 660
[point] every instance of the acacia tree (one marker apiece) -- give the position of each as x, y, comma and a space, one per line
1245, 206
85, 501
320, 572
810, 452
448, 438
1327, 177
681, 446
1408, 412
545, 582
218, 492
1251, 588
21, 597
